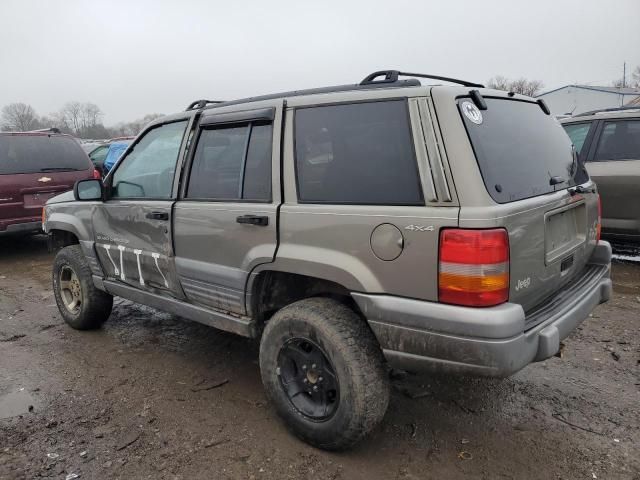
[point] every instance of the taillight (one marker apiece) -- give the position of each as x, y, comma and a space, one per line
474, 267
96, 174
599, 225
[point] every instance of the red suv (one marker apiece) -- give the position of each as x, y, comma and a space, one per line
35, 166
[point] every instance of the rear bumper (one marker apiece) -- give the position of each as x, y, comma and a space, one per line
28, 225
417, 335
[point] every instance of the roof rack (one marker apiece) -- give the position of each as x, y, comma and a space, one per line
390, 81
605, 110
391, 76
44, 130
198, 104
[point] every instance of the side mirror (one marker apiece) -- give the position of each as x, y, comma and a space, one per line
91, 189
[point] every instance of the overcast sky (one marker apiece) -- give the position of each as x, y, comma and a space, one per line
137, 57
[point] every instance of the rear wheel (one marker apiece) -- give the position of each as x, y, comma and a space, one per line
323, 370
80, 303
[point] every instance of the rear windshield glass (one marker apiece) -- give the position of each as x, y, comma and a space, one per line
40, 153
521, 151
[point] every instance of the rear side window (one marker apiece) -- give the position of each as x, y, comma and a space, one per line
620, 140
358, 153
40, 153
578, 134
521, 151
232, 163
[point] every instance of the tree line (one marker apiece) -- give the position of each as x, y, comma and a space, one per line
533, 87
81, 119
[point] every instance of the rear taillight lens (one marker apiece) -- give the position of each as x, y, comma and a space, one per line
96, 174
599, 225
474, 267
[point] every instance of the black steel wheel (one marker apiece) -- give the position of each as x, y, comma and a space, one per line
308, 378
323, 370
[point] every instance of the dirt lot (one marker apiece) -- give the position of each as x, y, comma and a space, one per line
137, 399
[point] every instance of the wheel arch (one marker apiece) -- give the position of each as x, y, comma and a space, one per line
269, 290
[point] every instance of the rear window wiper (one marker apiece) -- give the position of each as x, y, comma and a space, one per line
59, 169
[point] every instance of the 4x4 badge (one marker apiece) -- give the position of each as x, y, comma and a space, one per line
471, 112
419, 228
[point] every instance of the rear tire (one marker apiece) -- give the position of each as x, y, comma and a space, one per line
81, 304
323, 370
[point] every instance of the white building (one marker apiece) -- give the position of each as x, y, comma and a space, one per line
574, 99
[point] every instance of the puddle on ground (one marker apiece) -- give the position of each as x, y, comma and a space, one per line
15, 403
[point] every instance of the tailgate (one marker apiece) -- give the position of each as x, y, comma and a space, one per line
550, 245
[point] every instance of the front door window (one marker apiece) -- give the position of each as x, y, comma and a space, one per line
148, 170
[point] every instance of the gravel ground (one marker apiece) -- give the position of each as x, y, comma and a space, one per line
153, 396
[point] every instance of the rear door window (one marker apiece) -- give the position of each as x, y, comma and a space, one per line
359, 153
619, 140
232, 163
40, 153
521, 151
578, 134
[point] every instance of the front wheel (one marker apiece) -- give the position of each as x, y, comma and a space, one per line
324, 371
81, 304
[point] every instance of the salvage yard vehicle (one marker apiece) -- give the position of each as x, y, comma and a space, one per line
609, 142
349, 229
35, 166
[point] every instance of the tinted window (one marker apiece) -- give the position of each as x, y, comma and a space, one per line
40, 153
358, 153
519, 149
148, 169
577, 133
620, 140
257, 175
221, 157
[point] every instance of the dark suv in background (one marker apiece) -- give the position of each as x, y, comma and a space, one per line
35, 166
609, 142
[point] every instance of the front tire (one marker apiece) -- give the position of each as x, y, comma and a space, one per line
323, 370
81, 304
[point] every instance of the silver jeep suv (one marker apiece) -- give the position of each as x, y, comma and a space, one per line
347, 228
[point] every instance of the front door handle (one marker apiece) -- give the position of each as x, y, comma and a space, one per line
259, 220
158, 215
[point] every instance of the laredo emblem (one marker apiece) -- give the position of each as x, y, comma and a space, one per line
44, 179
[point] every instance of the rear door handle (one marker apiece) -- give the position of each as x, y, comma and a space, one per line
259, 220
158, 215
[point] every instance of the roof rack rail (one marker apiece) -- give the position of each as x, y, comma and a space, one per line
201, 104
391, 76
605, 110
44, 130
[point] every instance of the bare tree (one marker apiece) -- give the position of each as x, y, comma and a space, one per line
71, 116
90, 115
520, 85
634, 81
133, 128
19, 117
498, 82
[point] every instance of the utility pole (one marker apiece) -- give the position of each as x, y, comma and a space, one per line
624, 74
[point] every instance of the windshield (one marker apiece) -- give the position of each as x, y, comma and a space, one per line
521, 151
40, 153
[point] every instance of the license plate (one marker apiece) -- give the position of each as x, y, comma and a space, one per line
565, 230
38, 199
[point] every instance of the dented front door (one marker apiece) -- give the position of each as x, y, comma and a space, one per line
133, 241
133, 226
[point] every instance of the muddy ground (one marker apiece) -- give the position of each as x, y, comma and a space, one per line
136, 399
